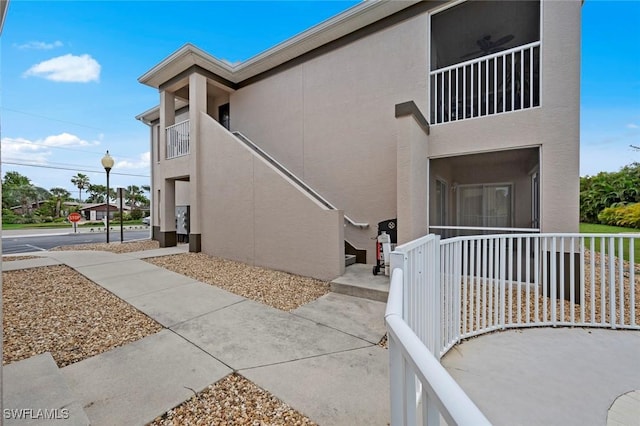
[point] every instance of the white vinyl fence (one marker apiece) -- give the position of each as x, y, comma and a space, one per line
443, 291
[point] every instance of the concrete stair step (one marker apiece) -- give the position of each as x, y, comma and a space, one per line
36, 393
349, 259
359, 281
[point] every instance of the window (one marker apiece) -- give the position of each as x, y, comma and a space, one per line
488, 205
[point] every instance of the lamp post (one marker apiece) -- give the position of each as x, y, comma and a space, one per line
107, 163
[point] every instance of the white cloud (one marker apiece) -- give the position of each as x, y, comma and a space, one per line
143, 162
19, 149
67, 68
39, 45
39, 151
66, 139
632, 126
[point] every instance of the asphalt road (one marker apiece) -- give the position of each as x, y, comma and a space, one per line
12, 244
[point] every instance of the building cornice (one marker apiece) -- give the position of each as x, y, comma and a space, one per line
4, 5
350, 20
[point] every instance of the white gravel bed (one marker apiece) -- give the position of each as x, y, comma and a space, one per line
12, 258
233, 400
55, 309
126, 247
280, 290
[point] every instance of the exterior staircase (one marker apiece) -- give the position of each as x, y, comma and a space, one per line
358, 280
349, 259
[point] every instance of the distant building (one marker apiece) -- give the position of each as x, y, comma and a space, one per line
98, 211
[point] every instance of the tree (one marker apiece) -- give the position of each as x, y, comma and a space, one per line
15, 179
18, 190
81, 181
97, 194
59, 196
608, 189
134, 196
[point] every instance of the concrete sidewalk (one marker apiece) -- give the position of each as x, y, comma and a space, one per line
321, 359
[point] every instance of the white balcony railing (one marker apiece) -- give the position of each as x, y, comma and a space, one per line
493, 84
445, 291
178, 139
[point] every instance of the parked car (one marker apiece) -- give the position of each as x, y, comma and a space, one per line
146, 220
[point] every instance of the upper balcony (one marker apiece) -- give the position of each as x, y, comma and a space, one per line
485, 60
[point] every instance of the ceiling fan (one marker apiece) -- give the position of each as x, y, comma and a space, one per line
487, 46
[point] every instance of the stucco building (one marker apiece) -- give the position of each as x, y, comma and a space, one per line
458, 116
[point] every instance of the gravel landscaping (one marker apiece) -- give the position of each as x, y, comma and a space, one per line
233, 400
55, 309
12, 258
74, 319
280, 290
126, 247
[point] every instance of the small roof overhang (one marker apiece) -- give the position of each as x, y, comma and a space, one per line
4, 5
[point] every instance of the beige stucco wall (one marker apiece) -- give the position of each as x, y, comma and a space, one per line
554, 126
331, 120
255, 215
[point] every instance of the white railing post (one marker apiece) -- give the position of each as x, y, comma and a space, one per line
448, 104
426, 315
436, 313
178, 139
396, 381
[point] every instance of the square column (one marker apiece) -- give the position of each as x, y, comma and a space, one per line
167, 234
412, 176
197, 108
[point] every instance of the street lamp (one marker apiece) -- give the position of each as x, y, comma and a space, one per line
107, 163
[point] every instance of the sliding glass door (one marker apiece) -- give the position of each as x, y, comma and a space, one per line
487, 205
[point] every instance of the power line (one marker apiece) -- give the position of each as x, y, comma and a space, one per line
76, 169
64, 148
52, 119
47, 163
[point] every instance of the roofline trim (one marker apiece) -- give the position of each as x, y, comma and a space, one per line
350, 20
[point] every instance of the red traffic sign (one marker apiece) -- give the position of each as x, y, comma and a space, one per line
74, 217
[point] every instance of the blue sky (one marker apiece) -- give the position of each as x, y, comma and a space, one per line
69, 76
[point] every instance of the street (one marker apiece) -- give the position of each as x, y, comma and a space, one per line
12, 244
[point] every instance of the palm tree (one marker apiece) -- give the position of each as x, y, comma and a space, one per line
97, 194
132, 195
81, 181
60, 195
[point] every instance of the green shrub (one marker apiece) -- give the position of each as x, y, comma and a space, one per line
125, 216
136, 214
8, 216
621, 215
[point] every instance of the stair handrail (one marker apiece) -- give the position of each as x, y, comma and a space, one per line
297, 180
